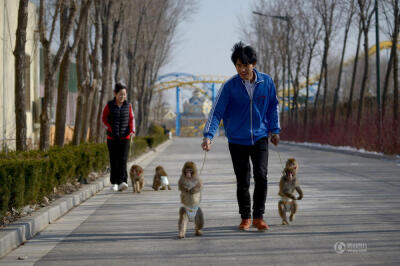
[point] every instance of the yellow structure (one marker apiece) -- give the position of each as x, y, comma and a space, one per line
8, 27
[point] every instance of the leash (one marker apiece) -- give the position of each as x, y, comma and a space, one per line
130, 147
204, 160
280, 159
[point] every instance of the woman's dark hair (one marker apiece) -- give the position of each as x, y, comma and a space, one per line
119, 87
246, 54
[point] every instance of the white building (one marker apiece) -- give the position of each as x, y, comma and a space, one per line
8, 27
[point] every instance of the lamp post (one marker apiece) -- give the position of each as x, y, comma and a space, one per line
378, 74
286, 18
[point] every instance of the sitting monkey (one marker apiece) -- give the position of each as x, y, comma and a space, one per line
190, 186
287, 186
160, 180
137, 178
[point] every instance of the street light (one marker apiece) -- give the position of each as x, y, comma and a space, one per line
378, 74
287, 19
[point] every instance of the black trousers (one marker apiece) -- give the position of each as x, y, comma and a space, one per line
118, 149
258, 153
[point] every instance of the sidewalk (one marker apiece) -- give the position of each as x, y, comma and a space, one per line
27, 227
345, 218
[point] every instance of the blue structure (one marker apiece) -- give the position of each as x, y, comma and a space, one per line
179, 80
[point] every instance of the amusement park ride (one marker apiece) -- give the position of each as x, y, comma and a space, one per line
206, 85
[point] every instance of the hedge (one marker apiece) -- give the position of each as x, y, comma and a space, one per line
26, 177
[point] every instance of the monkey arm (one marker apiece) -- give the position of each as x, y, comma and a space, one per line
298, 189
182, 186
196, 188
282, 192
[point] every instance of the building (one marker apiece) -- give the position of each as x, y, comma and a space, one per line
8, 27
195, 113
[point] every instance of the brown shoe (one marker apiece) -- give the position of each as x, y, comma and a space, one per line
260, 224
245, 224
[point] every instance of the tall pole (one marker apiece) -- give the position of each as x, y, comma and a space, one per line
178, 114
288, 64
378, 74
287, 19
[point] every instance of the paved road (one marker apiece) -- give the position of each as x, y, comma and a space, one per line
350, 201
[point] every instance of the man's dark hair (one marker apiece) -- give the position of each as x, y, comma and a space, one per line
119, 87
245, 53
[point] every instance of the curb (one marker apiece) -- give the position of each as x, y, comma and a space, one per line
27, 227
339, 150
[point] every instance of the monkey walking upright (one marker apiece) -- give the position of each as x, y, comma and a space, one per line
190, 186
160, 180
137, 178
288, 184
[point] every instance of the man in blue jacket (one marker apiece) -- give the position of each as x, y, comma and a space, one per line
248, 106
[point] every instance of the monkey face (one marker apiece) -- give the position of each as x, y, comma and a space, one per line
291, 169
188, 173
189, 170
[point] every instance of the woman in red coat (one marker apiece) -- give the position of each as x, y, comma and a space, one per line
119, 120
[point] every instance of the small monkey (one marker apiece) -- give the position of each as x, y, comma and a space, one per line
288, 184
137, 178
190, 186
160, 180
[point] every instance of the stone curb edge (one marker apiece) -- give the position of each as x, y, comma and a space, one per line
27, 227
334, 149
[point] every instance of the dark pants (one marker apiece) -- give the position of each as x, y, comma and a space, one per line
258, 153
118, 150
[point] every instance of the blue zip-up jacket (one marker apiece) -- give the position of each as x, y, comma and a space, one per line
245, 120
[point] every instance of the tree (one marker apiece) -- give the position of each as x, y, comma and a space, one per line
20, 88
51, 65
365, 12
326, 10
348, 8
354, 74
62, 94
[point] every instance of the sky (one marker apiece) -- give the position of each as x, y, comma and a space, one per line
205, 41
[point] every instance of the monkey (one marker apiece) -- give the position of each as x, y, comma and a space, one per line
190, 186
288, 184
137, 178
160, 180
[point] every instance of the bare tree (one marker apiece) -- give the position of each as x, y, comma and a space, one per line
326, 10
62, 94
354, 74
20, 86
107, 22
349, 8
312, 37
366, 11
392, 17
94, 60
51, 65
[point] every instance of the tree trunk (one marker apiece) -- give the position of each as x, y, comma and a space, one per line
353, 77
62, 100
387, 78
20, 86
93, 116
86, 112
364, 79
395, 95
325, 62
106, 66
307, 89
44, 141
337, 89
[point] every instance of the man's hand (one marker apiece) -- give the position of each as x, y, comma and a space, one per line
275, 139
206, 144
